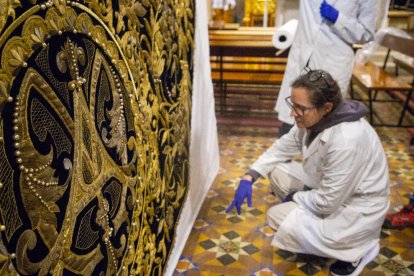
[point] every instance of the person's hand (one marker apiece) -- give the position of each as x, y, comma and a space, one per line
328, 12
243, 191
289, 197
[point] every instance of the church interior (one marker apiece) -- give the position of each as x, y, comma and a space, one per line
126, 126
232, 244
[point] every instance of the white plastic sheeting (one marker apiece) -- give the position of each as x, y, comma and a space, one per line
369, 49
204, 151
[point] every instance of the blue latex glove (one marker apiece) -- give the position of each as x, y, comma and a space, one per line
289, 197
243, 191
328, 12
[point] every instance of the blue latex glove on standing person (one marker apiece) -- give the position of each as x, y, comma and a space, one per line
243, 191
328, 12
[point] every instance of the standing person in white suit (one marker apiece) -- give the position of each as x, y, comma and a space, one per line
334, 202
326, 31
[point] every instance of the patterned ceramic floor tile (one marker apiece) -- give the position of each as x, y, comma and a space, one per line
232, 244
185, 265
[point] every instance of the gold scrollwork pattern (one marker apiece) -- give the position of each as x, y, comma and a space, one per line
95, 102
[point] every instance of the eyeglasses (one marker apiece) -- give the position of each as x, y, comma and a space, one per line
315, 75
300, 110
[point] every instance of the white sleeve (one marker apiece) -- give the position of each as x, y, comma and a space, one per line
360, 29
282, 150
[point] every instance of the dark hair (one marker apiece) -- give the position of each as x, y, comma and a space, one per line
321, 86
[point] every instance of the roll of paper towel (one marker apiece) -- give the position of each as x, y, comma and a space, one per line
284, 35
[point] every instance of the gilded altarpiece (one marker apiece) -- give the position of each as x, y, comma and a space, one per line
95, 100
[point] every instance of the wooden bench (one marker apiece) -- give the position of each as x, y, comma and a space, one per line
248, 77
245, 56
249, 64
373, 79
248, 70
411, 132
401, 15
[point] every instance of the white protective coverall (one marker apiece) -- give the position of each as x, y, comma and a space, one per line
325, 45
341, 217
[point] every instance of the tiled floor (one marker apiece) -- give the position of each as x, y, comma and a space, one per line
231, 244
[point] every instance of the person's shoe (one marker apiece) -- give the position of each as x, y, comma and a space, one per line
408, 208
404, 218
340, 268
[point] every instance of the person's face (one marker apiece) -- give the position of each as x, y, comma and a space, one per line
302, 109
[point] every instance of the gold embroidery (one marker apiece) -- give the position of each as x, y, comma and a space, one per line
94, 134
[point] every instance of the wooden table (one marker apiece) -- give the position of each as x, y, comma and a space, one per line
242, 42
372, 78
402, 15
245, 41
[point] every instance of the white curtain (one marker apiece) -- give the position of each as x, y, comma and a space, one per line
204, 151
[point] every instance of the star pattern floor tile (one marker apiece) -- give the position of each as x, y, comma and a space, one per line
232, 244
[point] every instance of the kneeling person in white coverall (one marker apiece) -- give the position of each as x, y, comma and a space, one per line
336, 199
